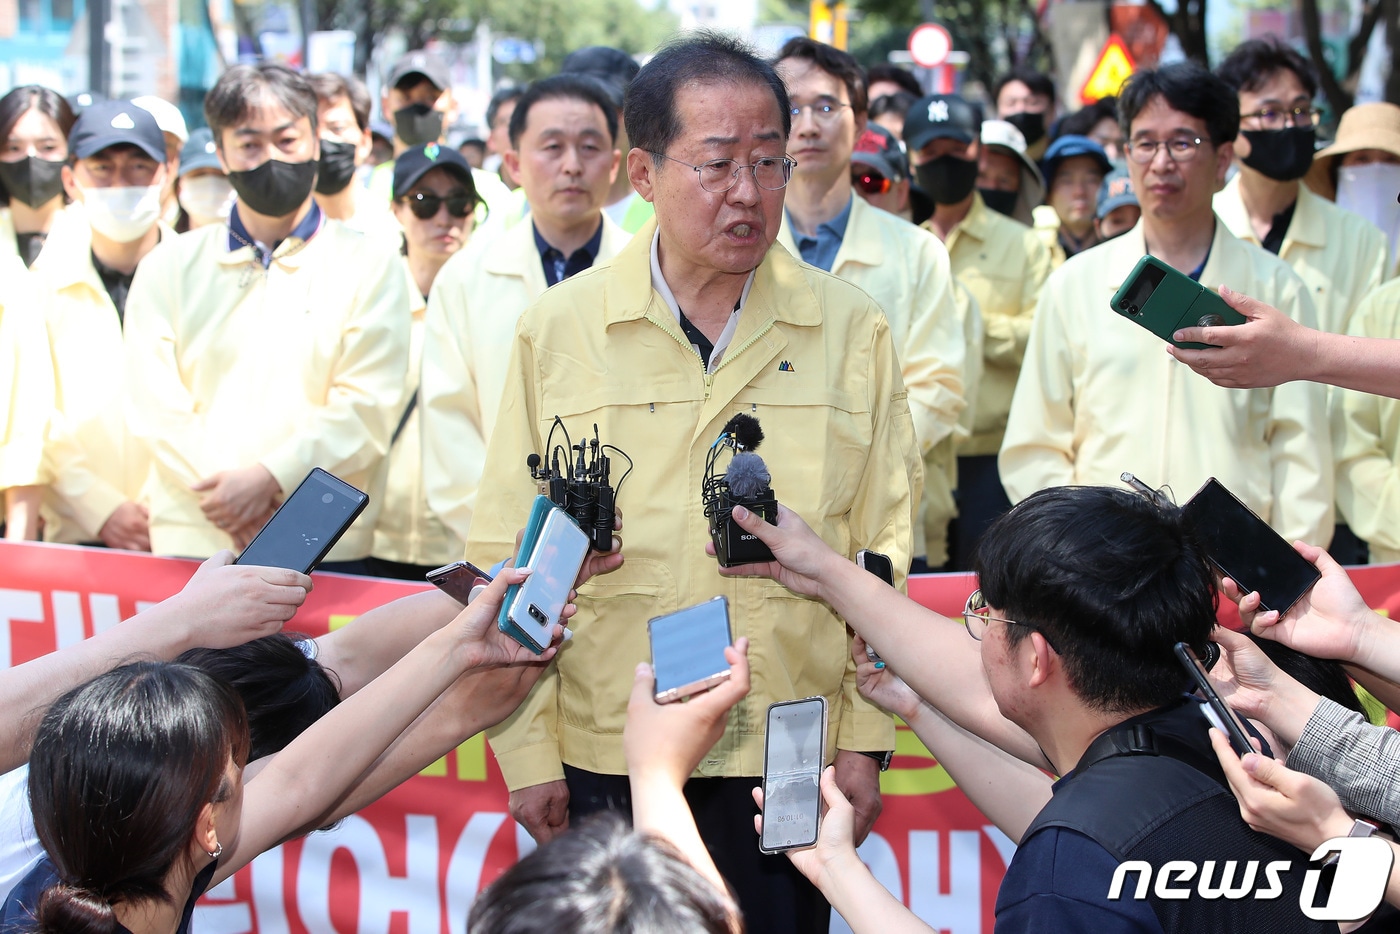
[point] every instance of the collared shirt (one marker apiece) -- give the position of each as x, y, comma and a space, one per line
820, 250
1278, 229
557, 267
116, 282
239, 237
714, 353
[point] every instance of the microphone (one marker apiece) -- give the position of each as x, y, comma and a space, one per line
746, 482
747, 476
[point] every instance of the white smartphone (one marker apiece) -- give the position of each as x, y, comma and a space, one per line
687, 649
794, 752
554, 565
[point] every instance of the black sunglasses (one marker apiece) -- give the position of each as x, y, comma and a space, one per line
425, 206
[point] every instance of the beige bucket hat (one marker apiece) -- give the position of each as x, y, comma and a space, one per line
1365, 126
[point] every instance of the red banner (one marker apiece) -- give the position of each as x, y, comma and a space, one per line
413, 862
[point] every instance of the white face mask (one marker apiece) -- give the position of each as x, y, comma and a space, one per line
207, 198
122, 214
1370, 190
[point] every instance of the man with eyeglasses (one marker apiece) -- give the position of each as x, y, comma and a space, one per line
1099, 395
702, 316
903, 268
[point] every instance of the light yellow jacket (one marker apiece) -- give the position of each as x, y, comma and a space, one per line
1099, 395
71, 220
1339, 256
26, 377
408, 531
1047, 228
301, 366
1003, 264
604, 347
477, 298
1367, 438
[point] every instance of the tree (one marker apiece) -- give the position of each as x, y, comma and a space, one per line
1338, 78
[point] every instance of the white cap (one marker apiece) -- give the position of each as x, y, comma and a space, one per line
168, 116
1003, 134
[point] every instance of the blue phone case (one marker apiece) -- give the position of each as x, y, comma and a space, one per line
538, 512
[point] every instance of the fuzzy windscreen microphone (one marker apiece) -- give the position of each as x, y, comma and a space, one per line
745, 431
747, 476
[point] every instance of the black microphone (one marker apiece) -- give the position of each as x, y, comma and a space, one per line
746, 482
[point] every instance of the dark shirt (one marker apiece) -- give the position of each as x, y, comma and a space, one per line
238, 235
1274, 241
30, 245
557, 267
821, 250
117, 284
17, 912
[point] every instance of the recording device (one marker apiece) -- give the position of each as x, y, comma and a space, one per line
882, 567
1247, 550
1157, 297
687, 649
746, 482
459, 580
794, 751
578, 483
307, 524
554, 564
1215, 709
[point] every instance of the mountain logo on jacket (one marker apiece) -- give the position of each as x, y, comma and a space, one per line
786, 367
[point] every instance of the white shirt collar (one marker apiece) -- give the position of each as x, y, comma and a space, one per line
658, 282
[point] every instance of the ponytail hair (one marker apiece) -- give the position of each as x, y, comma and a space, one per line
68, 909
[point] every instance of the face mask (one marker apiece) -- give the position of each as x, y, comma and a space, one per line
122, 214
275, 188
1032, 126
1283, 155
417, 124
1369, 190
337, 167
32, 181
207, 198
1003, 202
947, 179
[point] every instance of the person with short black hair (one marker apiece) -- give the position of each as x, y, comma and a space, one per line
886, 78
473, 149
1025, 98
342, 117
889, 110
1099, 122
498, 112
614, 69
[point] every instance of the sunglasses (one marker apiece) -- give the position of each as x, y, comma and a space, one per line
426, 206
871, 183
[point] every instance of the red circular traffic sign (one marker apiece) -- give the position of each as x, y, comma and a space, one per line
929, 45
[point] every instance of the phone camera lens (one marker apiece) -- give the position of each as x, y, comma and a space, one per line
1132, 309
538, 614
327, 498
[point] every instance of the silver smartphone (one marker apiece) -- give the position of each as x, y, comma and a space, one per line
460, 580
687, 649
794, 752
554, 564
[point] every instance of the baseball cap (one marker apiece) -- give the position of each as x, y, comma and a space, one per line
113, 123
940, 116
168, 116
419, 63
82, 100
418, 161
199, 152
613, 67
1067, 147
1005, 136
878, 149
1115, 192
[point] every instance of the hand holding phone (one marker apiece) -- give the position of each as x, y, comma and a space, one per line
1216, 710
687, 649
538, 604
460, 580
306, 527
794, 754
882, 567
1159, 298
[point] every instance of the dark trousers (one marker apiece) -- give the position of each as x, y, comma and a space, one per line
774, 897
981, 501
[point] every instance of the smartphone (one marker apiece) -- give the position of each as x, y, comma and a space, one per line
558, 554
687, 649
1216, 710
1247, 550
459, 580
540, 509
794, 752
1157, 297
307, 524
882, 567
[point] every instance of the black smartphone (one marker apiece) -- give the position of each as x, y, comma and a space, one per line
794, 752
1247, 550
687, 649
307, 524
1215, 709
882, 567
459, 580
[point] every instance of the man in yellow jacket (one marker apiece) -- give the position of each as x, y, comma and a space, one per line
903, 268
699, 318
562, 153
262, 348
1099, 395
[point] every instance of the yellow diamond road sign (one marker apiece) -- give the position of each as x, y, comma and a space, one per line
1112, 69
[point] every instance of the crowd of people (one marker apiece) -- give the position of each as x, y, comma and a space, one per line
911, 291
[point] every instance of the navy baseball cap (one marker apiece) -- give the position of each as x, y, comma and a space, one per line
1067, 147
1115, 192
418, 161
115, 123
878, 149
941, 116
419, 63
199, 152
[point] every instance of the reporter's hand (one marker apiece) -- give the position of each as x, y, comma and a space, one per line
1268, 349
835, 841
881, 686
596, 563
1278, 801
799, 552
475, 631
128, 527
543, 810
239, 501
231, 604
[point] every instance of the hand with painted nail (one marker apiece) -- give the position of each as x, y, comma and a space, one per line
881, 686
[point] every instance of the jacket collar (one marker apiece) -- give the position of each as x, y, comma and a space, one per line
862, 244
515, 254
1306, 228
1126, 250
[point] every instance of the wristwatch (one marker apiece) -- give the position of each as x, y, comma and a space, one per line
1362, 828
884, 758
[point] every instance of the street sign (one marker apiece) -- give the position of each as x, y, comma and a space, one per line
1112, 69
929, 45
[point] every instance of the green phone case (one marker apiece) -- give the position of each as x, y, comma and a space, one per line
1157, 297
538, 511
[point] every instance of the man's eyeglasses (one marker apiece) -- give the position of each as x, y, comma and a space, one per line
871, 183
1280, 118
1179, 149
719, 175
822, 112
425, 206
976, 614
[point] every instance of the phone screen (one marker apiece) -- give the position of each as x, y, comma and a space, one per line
307, 525
794, 753
879, 565
687, 647
1225, 719
1247, 550
554, 567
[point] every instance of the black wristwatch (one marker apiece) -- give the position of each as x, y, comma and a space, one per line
884, 758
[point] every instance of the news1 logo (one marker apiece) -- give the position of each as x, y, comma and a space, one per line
1363, 867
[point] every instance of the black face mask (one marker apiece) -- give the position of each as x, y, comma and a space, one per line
1032, 126
1283, 155
1003, 202
275, 189
32, 181
336, 168
417, 124
947, 179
